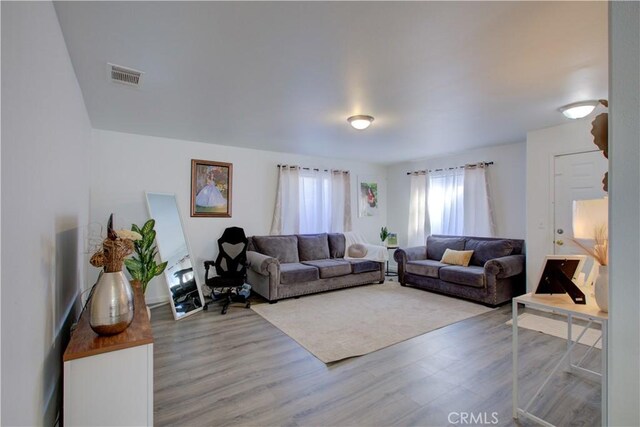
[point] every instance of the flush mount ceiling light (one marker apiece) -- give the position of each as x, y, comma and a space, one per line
578, 110
360, 122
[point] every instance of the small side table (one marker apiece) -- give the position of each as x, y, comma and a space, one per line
390, 273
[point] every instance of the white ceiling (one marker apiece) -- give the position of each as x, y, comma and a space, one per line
438, 77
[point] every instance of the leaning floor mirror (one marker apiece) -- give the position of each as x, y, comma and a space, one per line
185, 294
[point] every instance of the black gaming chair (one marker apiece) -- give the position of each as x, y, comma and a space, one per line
231, 269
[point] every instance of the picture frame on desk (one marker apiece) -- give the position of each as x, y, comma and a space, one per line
392, 240
559, 275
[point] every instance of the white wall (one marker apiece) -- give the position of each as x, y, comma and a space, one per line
123, 166
45, 202
624, 220
542, 145
506, 180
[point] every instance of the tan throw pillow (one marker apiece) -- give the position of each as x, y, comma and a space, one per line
456, 257
357, 251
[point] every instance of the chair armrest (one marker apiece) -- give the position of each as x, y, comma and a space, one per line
402, 255
260, 263
207, 265
506, 266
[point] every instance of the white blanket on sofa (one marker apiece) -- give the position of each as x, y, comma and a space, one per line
374, 252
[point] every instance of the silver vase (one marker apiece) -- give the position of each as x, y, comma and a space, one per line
111, 304
601, 288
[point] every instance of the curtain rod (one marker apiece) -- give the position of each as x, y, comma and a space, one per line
312, 169
469, 165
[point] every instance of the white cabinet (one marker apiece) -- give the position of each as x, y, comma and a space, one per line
109, 380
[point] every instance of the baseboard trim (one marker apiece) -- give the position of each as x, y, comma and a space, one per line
156, 300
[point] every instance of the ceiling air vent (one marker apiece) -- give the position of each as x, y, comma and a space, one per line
123, 75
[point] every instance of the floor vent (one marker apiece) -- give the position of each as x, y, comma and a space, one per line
123, 75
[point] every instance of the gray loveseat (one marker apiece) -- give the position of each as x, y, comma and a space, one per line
495, 274
289, 266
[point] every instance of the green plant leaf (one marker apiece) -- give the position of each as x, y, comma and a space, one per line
148, 226
134, 267
135, 228
147, 240
148, 275
160, 268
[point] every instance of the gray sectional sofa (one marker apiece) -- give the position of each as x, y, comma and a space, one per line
495, 274
293, 265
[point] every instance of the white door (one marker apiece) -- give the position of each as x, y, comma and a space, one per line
576, 177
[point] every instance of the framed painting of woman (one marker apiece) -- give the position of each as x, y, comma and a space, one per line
211, 188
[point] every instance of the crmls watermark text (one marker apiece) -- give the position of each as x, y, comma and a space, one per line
474, 418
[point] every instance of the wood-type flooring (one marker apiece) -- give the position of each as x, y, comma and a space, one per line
239, 370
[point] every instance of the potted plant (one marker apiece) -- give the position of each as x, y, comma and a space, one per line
142, 266
384, 233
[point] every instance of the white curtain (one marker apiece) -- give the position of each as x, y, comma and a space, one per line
445, 201
418, 213
312, 201
286, 218
340, 202
478, 216
315, 201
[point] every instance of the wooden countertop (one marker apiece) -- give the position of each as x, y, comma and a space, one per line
84, 342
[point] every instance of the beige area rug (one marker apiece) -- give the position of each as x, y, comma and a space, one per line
356, 321
557, 328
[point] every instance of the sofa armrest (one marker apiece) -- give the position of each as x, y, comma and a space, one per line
504, 267
260, 263
402, 255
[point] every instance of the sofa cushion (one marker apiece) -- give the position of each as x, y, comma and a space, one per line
437, 245
284, 248
460, 258
425, 267
467, 276
337, 245
313, 246
331, 267
363, 265
357, 250
295, 272
484, 250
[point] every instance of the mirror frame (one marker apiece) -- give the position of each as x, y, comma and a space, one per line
186, 240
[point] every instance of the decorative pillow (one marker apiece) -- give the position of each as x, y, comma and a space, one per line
437, 245
357, 250
484, 250
454, 257
284, 248
312, 247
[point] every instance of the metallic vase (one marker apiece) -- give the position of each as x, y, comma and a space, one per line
601, 288
111, 304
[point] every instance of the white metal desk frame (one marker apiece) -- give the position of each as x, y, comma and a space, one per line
561, 304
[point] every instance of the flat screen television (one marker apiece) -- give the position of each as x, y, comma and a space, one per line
558, 276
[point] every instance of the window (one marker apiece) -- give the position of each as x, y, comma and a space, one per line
312, 201
454, 202
445, 201
315, 202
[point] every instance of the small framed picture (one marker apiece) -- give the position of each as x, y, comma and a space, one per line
367, 197
211, 184
392, 240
